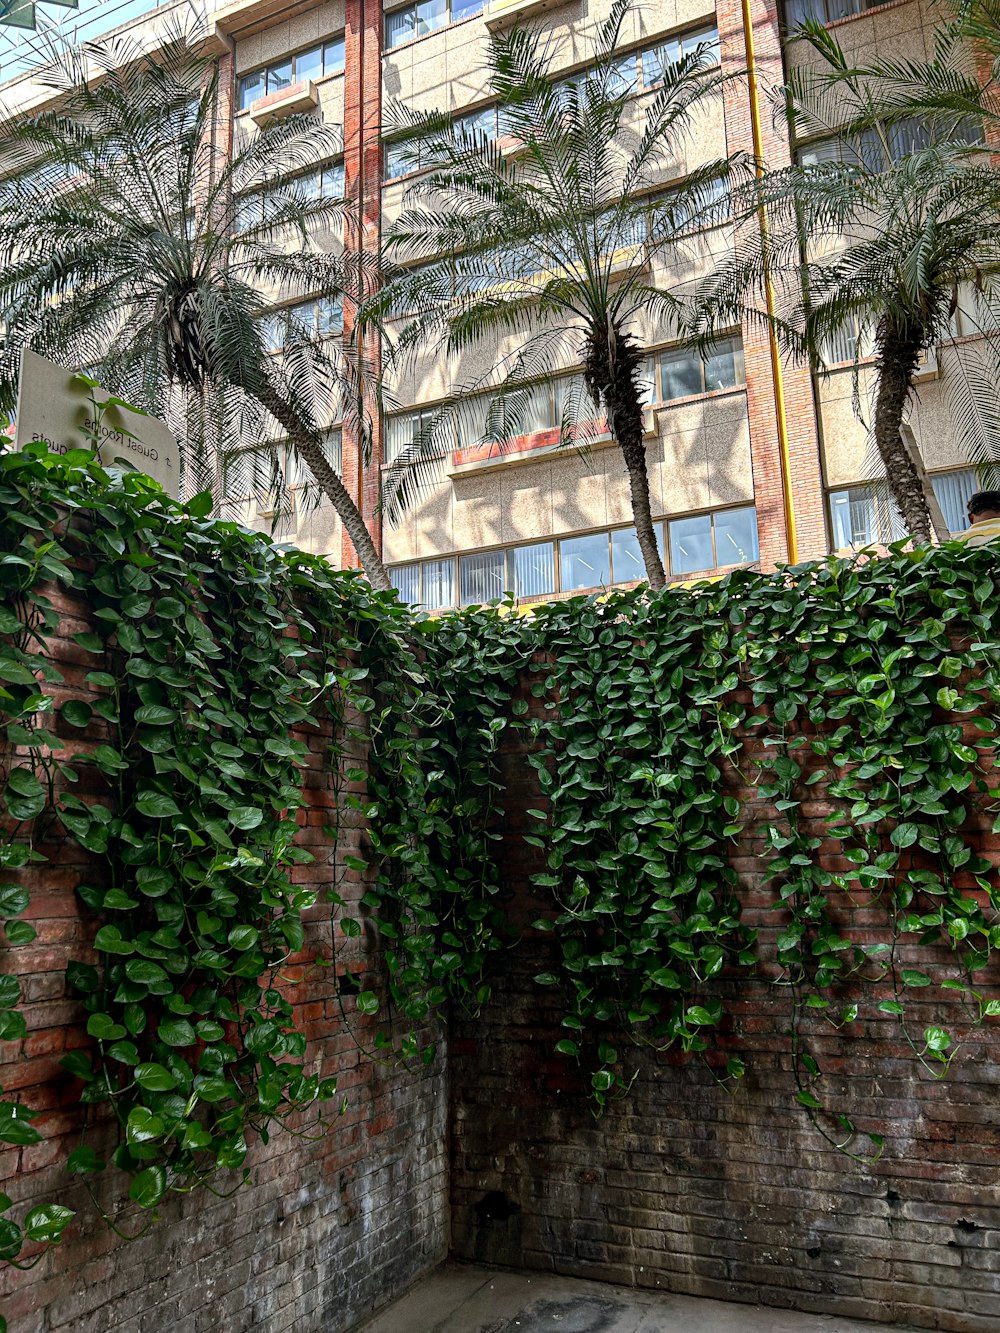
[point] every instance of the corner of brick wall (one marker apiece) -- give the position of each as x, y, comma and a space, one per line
328, 1229
729, 1192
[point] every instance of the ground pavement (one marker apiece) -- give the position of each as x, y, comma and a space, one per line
465, 1298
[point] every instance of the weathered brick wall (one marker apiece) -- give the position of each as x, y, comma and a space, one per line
730, 1192
330, 1226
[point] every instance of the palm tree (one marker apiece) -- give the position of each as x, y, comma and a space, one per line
128, 246
959, 86
543, 239
870, 237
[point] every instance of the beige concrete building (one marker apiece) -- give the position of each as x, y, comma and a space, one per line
749, 460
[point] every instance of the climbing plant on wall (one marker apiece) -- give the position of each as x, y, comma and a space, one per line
175, 773
839, 720
665, 730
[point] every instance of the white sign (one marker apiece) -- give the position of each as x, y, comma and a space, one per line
55, 406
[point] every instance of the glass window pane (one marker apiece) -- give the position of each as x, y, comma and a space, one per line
724, 365
251, 87
479, 122
333, 56
431, 14
400, 432
654, 63
691, 544
624, 76
532, 570
328, 316
407, 579
481, 576
535, 410
627, 563
840, 517
333, 181
333, 447
680, 374
736, 537
463, 9
400, 26
863, 516
707, 38
273, 333
439, 584
953, 490
470, 422
293, 470
584, 562
398, 160
309, 65
279, 76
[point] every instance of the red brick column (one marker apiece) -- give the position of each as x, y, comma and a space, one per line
806, 498
363, 184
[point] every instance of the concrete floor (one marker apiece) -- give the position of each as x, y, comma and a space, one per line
464, 1298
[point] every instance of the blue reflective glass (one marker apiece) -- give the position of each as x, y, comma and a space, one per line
584, 562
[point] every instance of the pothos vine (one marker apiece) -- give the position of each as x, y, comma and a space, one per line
661, 731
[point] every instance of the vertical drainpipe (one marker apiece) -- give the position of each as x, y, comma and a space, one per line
777, 379
362, 190
363, 99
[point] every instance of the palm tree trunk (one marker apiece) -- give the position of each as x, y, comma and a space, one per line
898, 355
311, 450
611, 371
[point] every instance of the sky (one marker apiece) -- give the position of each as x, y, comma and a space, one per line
22, 47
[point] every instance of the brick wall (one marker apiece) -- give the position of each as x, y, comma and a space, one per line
730, 1192
329, 1227
762, 374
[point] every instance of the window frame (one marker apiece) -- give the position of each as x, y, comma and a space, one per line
265, 70
655, 354
247, 197
413, 6
555, 541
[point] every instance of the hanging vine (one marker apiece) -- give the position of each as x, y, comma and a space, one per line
838, 719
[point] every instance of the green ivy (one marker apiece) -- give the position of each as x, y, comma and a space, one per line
663, 732
205, 657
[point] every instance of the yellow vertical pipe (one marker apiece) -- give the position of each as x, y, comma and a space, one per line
777, 378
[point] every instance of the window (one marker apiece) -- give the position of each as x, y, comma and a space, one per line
536, 407
711, 206
654, 63
403, 431
321, 317
313, 64
953, 490
413, 155
326, 182
735, 534
249, 472
691, 544
681, 372
531, 570
584, 563
627, 564
869, 148
481, 577
864, 516
853, 341
824, 11
438, 583
425, 16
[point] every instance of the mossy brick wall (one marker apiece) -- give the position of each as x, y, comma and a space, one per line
730, 1192
329, 1227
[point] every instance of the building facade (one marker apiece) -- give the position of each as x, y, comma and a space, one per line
750, 459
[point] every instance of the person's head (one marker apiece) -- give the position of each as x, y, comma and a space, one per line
983, 505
